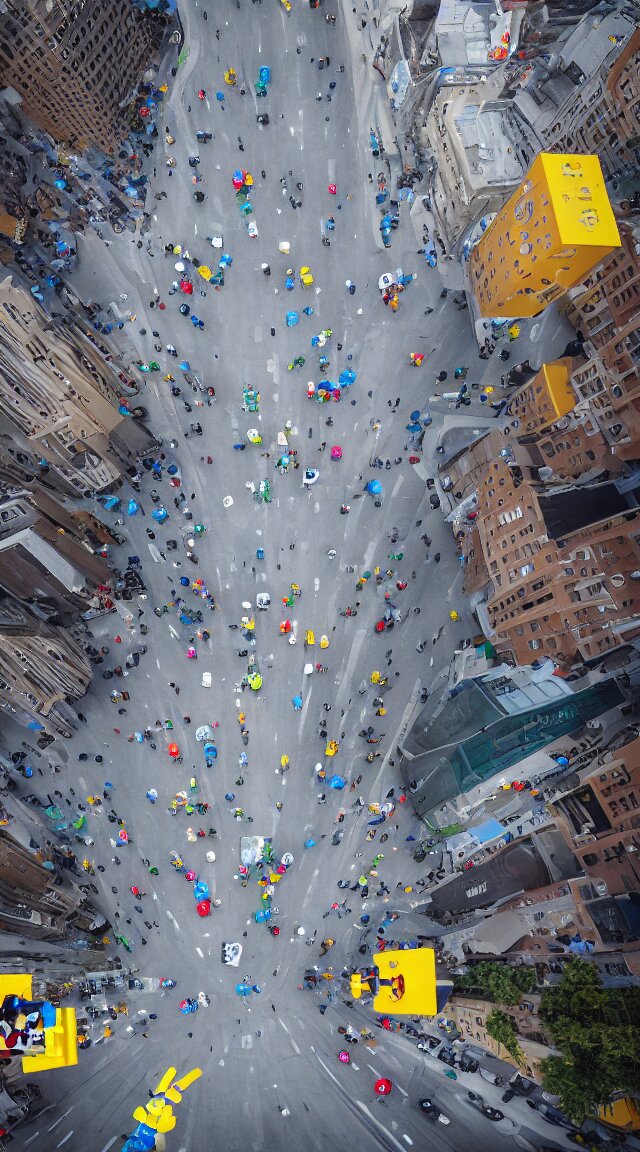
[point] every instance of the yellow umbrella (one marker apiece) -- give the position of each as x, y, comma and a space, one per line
177, 250
205, 272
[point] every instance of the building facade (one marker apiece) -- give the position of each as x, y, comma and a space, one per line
32, 905
469, 1015
606, 310
76, 64
59, 400
552, 231
43, 671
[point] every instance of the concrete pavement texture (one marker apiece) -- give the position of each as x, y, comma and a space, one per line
270, 1075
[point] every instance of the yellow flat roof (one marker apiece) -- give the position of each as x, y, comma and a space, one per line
580, 199
417, 966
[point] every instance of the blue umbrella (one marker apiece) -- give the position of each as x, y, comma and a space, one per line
347, 376
414, 429
297, 703
376, 820
292, 319
374, 487
132, 508
243, 990
289, 283
185, 366
160, 514
337, 782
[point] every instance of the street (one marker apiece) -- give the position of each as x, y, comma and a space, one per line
272, 1075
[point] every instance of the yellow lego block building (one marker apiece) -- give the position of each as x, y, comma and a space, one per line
548, 236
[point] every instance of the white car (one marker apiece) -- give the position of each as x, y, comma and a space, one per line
252, 229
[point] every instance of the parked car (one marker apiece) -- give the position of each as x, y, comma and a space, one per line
551, 1114
468, 1063
434, 500
492, 1077
508, 1095
448, 1056
521, 1085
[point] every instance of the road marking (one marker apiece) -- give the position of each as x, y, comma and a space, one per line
401, 1090
378, 1125
295, 1047
110, 1144
173, 920
284, 1026
200, 953
195, 229
67, 1137
334, 1078
370, 1066
407, 1138
316, 584
36, 1134
247, 1040
55, 1124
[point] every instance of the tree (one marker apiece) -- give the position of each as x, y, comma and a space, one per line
597, 1033
503, 1029
499, 983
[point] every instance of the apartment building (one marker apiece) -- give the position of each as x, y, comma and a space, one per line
76, 64
601, 111
606, 310
553, 230
31, 905
469, 1015
43, 671
563, 564
600, 821
59, 399
43, 565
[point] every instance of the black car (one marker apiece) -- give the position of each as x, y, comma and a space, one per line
204, 137
521, 1085
468, 1064
448, 1056
551, 1114
434, 500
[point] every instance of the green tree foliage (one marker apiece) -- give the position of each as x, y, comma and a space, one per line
597, 1033
503, 1029
497, 982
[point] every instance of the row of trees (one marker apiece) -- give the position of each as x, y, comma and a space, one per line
595, 1030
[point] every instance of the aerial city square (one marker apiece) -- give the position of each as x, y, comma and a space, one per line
319, 575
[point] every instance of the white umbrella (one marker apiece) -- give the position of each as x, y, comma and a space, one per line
179, 266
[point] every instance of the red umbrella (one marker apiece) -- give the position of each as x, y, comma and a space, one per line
204, 908
382, 1087
173, 751
186, 287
